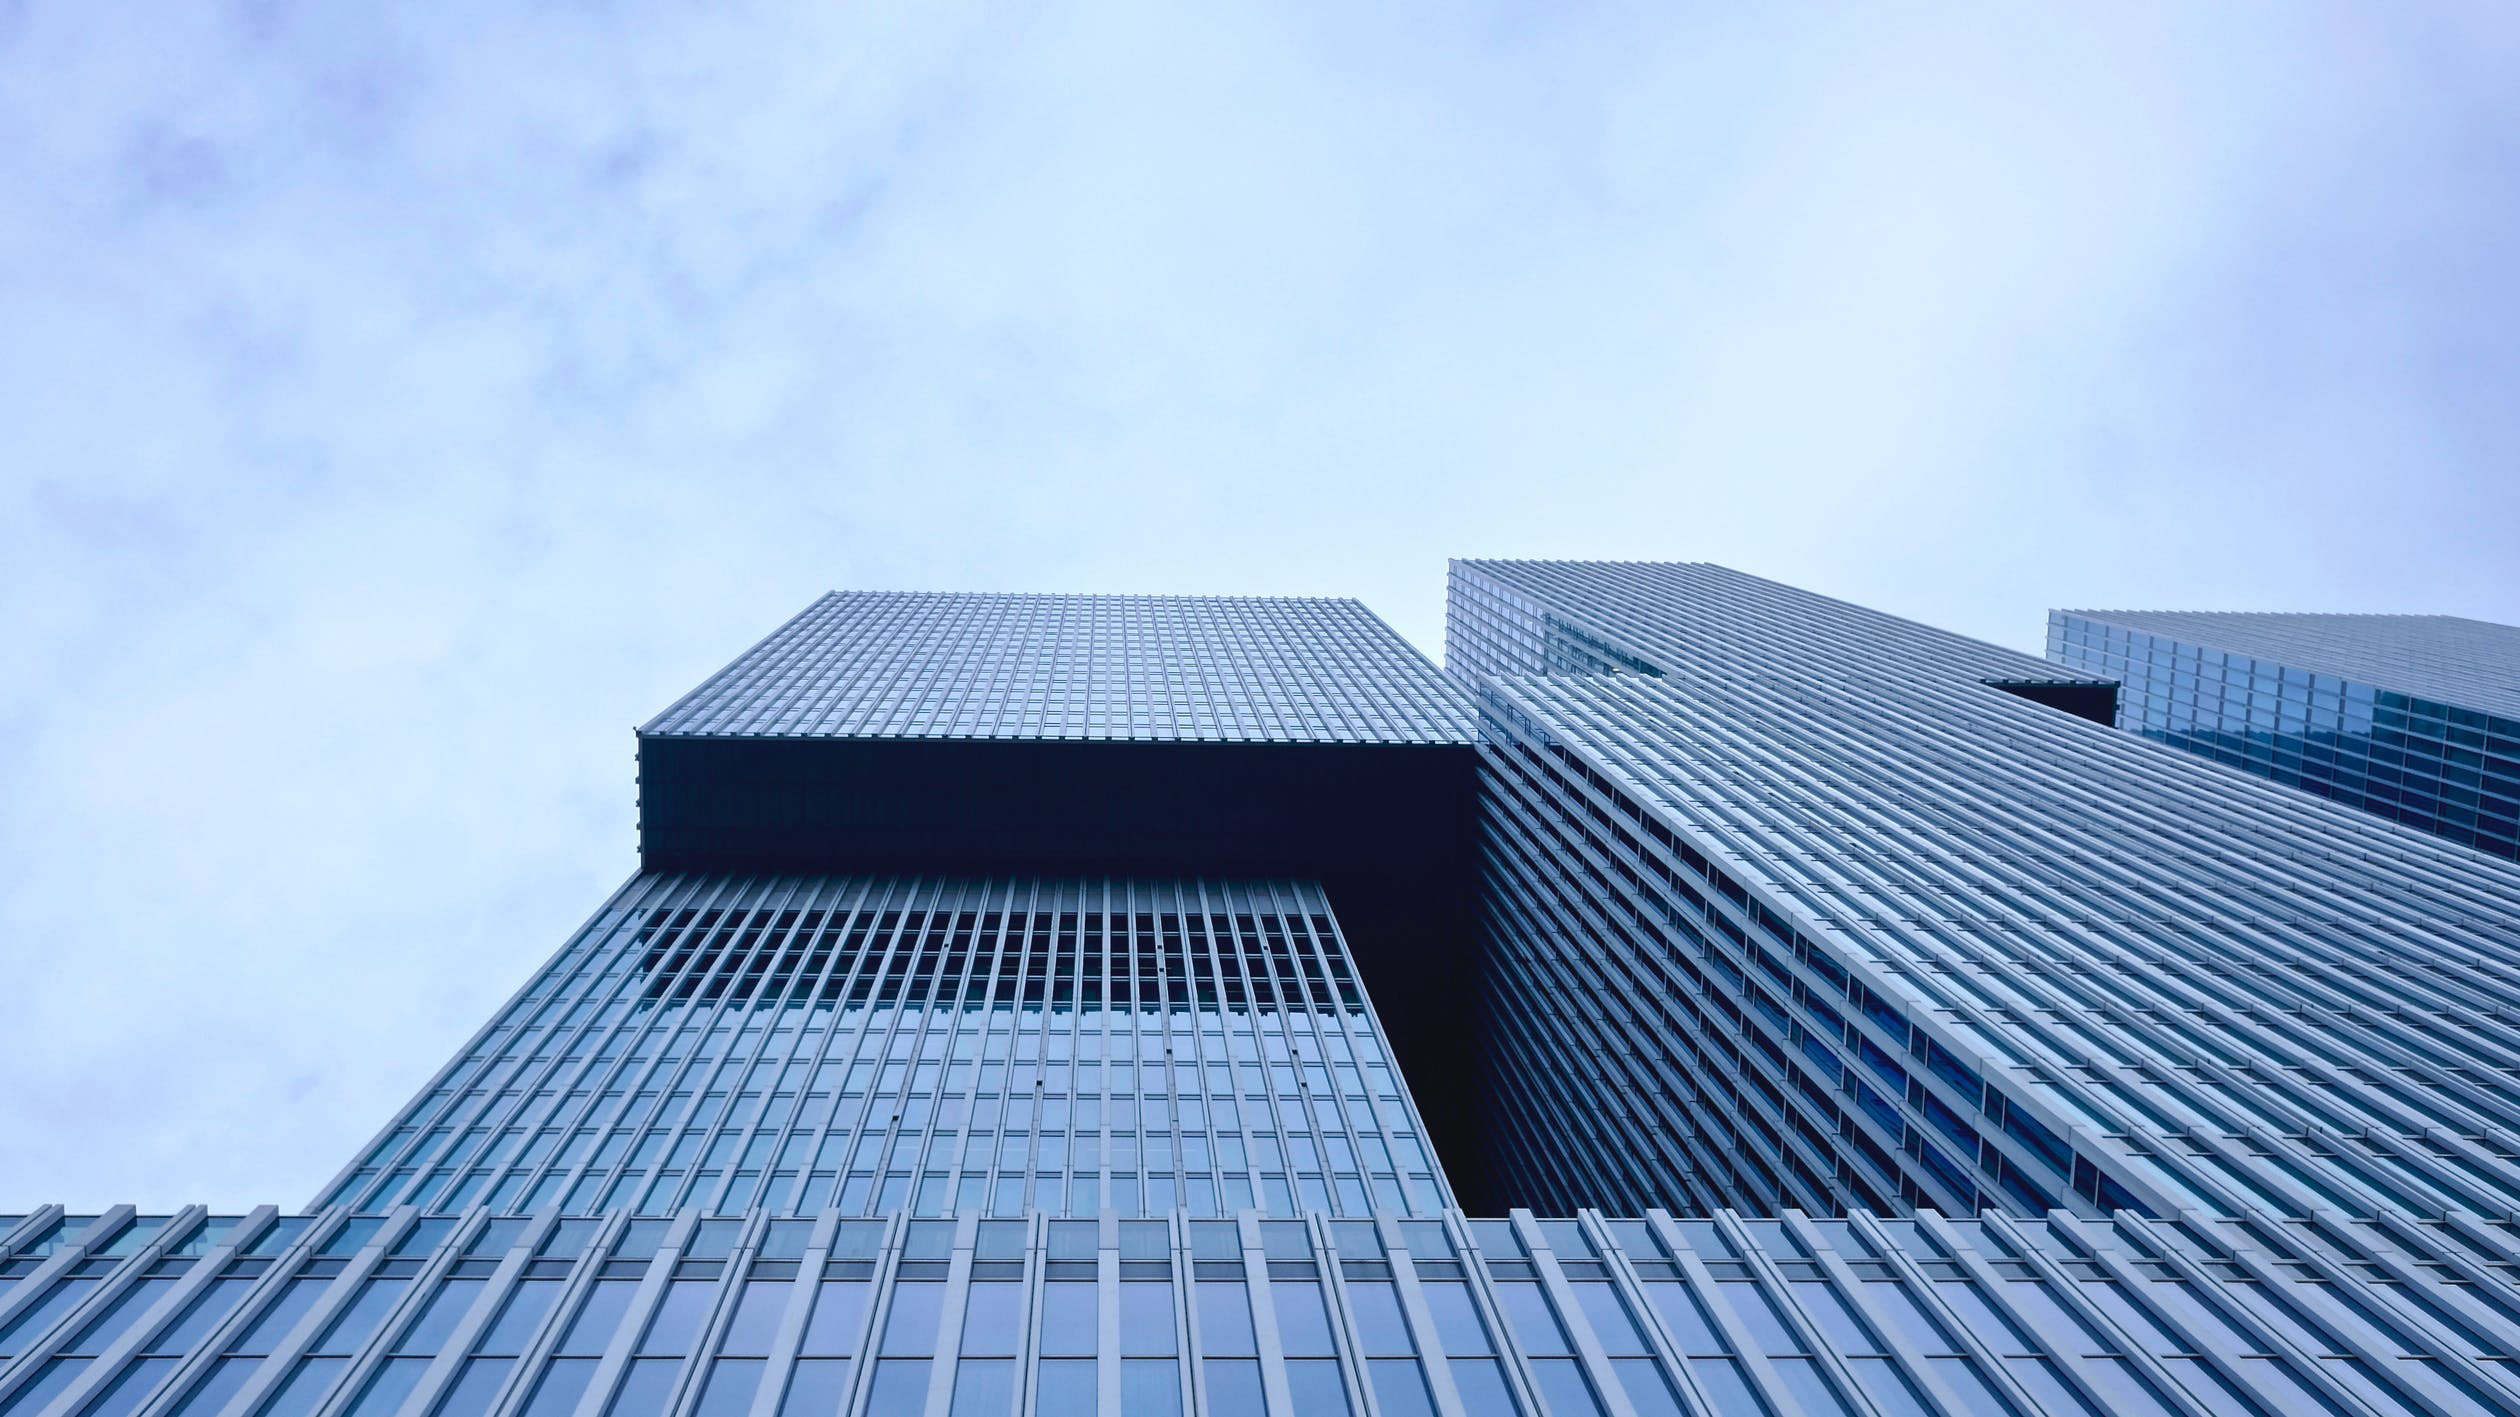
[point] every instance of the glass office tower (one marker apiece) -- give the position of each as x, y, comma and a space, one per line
993, 1022
1041, 1006
2413, 717
1794, 903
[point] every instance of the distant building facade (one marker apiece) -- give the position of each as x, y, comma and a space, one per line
2412, 717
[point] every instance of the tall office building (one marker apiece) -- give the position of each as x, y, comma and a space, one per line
1035, 1006
2413, 717
1798, 904
993, 903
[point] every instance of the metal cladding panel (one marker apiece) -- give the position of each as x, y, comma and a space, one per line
2472, 664
2412, 717
1886, 937
875, 1044
754, 1313
1113, 668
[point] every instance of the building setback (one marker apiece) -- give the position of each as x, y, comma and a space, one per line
1036, 1006
2413, 717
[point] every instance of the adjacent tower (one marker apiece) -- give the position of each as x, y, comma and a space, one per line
1796, 904
2412, 717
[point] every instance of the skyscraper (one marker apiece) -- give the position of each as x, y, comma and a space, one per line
1045, 1005
1856, 916
2413, 717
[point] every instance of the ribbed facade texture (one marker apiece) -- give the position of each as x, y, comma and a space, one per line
2415, 718
1793, 908
755, 1315
874, 664
876, 1044
1041, 1006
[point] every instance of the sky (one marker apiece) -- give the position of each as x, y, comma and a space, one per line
401, 402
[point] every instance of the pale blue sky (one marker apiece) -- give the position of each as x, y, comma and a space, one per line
401, 402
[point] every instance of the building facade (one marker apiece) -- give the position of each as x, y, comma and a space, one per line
1037, 1006
1798, 904
2415, 718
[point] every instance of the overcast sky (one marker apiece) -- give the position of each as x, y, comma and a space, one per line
395, 408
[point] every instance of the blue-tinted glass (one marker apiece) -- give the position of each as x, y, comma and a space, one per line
1563, 1388
355, 1325
1379, 1325
1303, 1324
387, 1387
523, 1314
910, 1327
50, 1380
212, 1391
1146, 1319
1071, 1319
993, 1319
280, 1316
984, 1387
1649, 1389
647, 1388
731, 1385
447, 1307
817, 1387
1400, 1388
205, 1312
1726, 1386
304, 1387
1150, 1387
1484, 1391
1234, 1388
1225, 1318
1316, 1387
598, 1317
1457, 1323
755, 1322
832, 1330
1066, 1388
131, 1387
901, 1388
1609, 1317
136, 1299
1528, 1315
678, 1317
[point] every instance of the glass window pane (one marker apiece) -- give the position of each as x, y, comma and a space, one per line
1457, 1322
756, 1320
645, 1390
1233, 1387
1065, 1388
901, 1386
1379, 1325
732, 1382
597, 1318
1071, 1319
817, 1387
139, 1378
1225, 1319
1303, 1324
1315, 1385
563, 1382
1563, 1388
1150, 1387
984, 1387
1400, 1389
839, 1311
910, 1327
1146, 1319
678, 1317
1483, 1389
